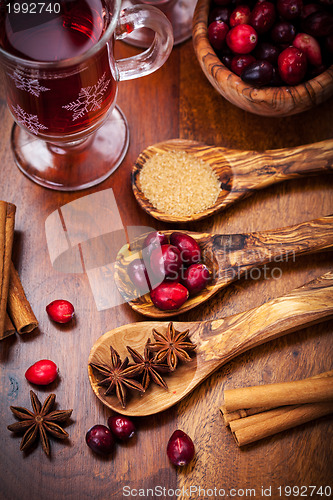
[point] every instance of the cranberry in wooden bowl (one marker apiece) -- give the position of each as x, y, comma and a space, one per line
280, 98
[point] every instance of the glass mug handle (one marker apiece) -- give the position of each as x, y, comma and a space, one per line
155, 56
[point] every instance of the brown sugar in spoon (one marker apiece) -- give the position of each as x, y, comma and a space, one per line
240, 173
217, 342
230, 257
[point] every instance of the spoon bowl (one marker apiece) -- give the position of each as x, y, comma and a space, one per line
228, 257
240, 173
217, 342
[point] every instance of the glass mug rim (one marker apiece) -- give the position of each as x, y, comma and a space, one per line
73, 61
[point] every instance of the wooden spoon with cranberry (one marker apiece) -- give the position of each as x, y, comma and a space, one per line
241, 173
230, 257
217, 342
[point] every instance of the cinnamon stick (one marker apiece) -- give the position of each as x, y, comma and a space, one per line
310, 390
7, 222
242, 413
9, 328
18, 306
250, 429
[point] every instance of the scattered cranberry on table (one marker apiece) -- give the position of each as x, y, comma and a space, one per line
42, 372
100, 440
60, 311
121, 427
257, 39
180, 448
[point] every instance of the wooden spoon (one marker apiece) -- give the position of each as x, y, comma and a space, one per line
240, 172
217, 342
231, 256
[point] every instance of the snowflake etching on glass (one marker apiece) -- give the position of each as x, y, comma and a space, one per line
27, 84
27, 120
90, 98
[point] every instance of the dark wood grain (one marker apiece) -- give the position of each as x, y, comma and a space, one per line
177, 101
240, 173
266, 101
229, 257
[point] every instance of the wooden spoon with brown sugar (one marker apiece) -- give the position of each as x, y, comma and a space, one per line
240, 173
230, 257
217, 342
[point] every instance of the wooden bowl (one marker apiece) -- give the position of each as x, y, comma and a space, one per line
266, 101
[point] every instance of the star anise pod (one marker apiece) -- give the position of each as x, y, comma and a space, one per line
39, 422
171, 346
150, 367
118, 376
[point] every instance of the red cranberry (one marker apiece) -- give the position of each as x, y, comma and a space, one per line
196, 278
267, 52
258, 73
219, 14
100, 440
292, 65
239, 63
226, 59
169, 296
154, 240
42, 372
308, 9
241, 15
189, 249
165, 261
310, 47
217, 32
242, 39
289, 9
318, 24
60, 311
180, 448
263, 16
283, 32
121, 427
138, 274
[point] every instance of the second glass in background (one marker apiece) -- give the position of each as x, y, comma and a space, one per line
179, 12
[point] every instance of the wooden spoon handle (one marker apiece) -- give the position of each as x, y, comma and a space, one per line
222, 340
235, 255
254, 170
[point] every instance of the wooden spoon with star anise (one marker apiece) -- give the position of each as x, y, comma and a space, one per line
217, 342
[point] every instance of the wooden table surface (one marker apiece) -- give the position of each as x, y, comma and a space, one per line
176, 101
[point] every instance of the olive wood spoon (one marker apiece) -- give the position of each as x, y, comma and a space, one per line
229, 257
217, 342
241, 173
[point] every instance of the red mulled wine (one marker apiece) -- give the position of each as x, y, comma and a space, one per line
61, 99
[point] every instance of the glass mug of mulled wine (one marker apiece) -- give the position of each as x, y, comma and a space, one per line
62, 79
179, 12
